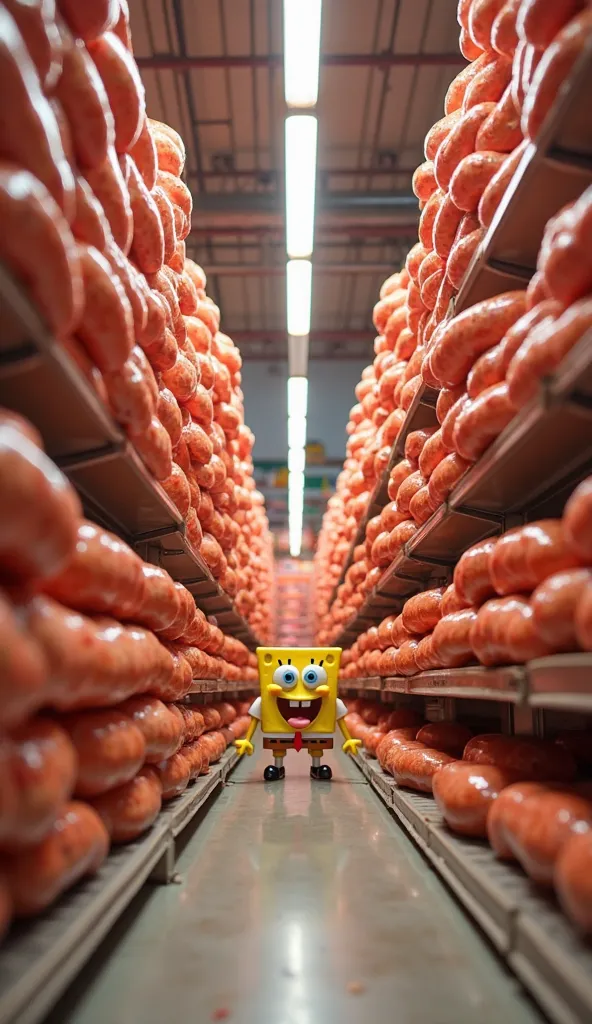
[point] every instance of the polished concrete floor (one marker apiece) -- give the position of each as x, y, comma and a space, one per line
298, 903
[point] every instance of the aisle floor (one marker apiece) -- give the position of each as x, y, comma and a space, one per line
297, 903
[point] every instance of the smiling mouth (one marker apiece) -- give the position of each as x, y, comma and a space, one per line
299, 713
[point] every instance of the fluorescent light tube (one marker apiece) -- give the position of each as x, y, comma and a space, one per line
297, 396
296, 460
301, 167
297, 431
302, 43
299, 296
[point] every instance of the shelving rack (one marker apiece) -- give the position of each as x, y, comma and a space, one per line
39, 959
39, 380
507, 485
522, 921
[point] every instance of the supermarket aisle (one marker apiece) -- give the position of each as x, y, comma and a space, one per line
292, 896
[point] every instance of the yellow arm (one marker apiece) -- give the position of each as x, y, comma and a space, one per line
245, 746
350, 746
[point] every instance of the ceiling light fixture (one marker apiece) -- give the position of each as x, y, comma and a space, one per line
302, 45
299, 296
301, 167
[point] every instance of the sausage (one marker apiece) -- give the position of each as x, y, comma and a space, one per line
472, 574
154, 448
445, 477
532, 759
195, 754
132, 808
472, 332
171, 157
38, 510
81, 93
471, 177
414, 259
422, 611
504, 36
452, 601
465, 795
177, 488
88, 21
458, 87
108, 185
467, 47
41, 38
577, 521
450, 737
385, 632
420, 506
426, 224
416, 766
446, 224
76, 846
38, 247
500, 132
148, 242
89, 224
554, 68
482, 14
507, 809
491, 367
547, 822
41, 770
405, 664
459, 142
104, 575
446, 399
572, 878
107, 326
460, 256
481, 420
174, 774
526, 555
451, 639
24, 677
415, 441
109, 746
160, 727
439, 131
554, 606
544, 348
489, 84
495, 190
425, 656
504, 633
392, 738
432, 454
399, 473
143, 153
123, 86
423, 182
539, 22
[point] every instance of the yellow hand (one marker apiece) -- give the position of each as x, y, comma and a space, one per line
245, 747
351, 747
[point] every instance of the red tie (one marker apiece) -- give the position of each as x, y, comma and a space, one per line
298, 741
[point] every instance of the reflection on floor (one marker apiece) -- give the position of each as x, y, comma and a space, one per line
299, 903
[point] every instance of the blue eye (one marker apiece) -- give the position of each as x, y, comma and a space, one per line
286, 676
314, 675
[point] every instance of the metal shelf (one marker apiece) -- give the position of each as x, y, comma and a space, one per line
39, 959
220, 686
525, 926
561, 681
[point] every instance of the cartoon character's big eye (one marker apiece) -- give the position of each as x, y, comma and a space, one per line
286, 676
313, 676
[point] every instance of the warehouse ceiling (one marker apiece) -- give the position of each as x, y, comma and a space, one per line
213, 70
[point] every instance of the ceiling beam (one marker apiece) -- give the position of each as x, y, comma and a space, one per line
270, 176
243, 209
353, 229
278, 337
172, 62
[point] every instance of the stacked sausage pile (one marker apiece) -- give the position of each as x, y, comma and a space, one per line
526, 595
97, 646
95, 216
519, 792
486, 362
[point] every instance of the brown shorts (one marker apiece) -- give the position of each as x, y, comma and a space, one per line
288, 743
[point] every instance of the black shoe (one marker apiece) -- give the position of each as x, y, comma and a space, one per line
323, 773
273, 774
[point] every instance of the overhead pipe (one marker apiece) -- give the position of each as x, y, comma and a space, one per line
172, 62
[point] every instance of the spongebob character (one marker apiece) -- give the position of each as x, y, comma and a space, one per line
298, 707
